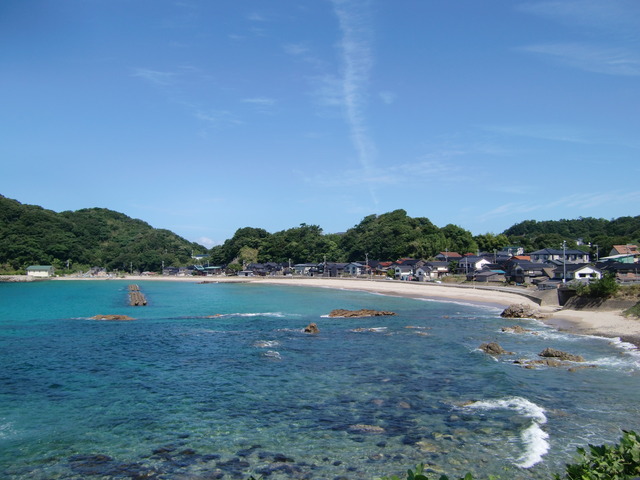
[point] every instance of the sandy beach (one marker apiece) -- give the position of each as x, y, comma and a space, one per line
606, 323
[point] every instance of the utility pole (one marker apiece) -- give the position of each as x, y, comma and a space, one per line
366, 261
564, 261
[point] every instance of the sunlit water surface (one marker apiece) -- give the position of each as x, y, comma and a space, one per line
220, 381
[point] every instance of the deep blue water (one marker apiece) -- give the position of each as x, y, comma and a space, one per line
219, 381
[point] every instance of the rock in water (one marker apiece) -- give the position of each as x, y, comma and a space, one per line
553, 353
364, 312
493, 348
111, 317
517, 329
311, 328
360, 428
520, 310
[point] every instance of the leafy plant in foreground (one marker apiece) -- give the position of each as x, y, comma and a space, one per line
604, 462
607, 462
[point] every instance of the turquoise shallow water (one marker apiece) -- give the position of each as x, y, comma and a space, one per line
219, 381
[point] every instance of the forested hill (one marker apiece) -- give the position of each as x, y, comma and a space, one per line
395, 234
32, 235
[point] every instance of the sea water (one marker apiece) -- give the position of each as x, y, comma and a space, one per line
220, 381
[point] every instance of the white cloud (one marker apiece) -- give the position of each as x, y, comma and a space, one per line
207, 242
261, 101
578, 201
355, 46
610, 61
387, 97
155, 76
256, 17
614, 16
295, 49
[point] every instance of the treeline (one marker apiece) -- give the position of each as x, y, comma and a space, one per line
31, 235
395, 235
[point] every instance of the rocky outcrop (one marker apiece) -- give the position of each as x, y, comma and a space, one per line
311, 328
493, 348
520, 310
518, 329
360, 428
560, 355
364, 312
112, 317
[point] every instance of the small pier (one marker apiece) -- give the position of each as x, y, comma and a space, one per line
136, 297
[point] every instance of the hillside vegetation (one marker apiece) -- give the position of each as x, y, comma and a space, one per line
395, 235
31, 235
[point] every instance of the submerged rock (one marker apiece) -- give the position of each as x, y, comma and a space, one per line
112, 317
494, 348
361, 428
518, 329
363, 312
559, 354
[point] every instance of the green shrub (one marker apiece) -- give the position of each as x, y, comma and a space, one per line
633, 311
607, 462
604, 288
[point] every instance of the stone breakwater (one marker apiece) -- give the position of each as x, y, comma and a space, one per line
18, 278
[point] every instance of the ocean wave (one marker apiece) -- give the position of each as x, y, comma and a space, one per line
6, 429
247, 314
266, 343
370, 330
534, 438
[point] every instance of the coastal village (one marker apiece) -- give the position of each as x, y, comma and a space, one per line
545, 269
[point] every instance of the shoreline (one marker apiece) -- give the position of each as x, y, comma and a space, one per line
603, 323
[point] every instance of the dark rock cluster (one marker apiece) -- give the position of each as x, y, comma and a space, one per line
364, 312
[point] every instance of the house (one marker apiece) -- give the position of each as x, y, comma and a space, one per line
305, 269
353, 269
40, 271
624, 250
403, 272
488, 276
582, 273
331, 269
522, 271
448, 256
566, 255
382, 268
432, 271
624, 272
471, 263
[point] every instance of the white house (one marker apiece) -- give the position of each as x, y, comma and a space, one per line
403, 272
354, 269
41, 271
583, 273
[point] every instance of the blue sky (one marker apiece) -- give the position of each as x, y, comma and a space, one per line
203, 117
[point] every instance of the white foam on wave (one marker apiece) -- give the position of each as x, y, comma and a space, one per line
273, 354
249, 315
266, 343
370, 330
534, 438
6, 429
